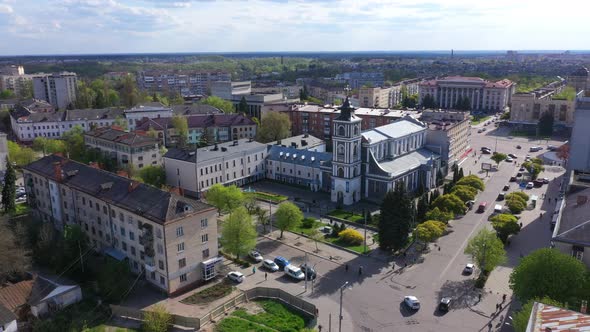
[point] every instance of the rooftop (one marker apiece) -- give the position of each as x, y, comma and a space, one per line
574, 225
193, 109
219, 150
401, 128
548, 318
198, 121
122, 137
148, 107
296, 156
138, 198
304, 141
401, 165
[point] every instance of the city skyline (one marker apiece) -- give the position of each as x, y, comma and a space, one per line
32, 27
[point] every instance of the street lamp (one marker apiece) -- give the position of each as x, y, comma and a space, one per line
341, 294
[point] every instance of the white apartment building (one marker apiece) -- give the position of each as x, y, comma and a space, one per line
58, 89
238, 162
449, 136
171, 241
187, 83
153, 110
13, 78
127, 148
226, 89
482, 94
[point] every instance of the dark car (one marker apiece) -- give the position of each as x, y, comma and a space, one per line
484, 148
519, 147
445, 304
281, 262
513, 179
519, 174
538, 183
308, 271
506, 187
486, 151
511, 155
522, 169
500, 197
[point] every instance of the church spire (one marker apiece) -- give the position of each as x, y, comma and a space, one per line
346, 111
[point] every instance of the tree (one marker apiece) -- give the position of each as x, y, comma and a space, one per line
15, 258
113, 279
129, 93
505, 225
518, 194
548, 272
48, 146
498, 157
225, 199
180, 125
465, 193
535, 166
396, 219
422, 208
463, 103
516, 201
316, 236
410, 101
429, 231
243, 106
434, 195
303, 93
450, 203
437, 214
546, 125
274, 126
238, 233
74, 139
563, 152
429, 102
472, 181
9, 188
351, 237
221, 104
288, 216
156, 319
250, 203
263, 217
486, 250
7, 94
153, 175
19, 154
121, 122
520, 320
461, 174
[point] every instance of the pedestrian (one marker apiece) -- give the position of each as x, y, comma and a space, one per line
265, 276
360, 270
503, 298
479, 297
405, 264
438, 248
254, 270
520, 225
346, 267
497, 306
393, 267
500, 306
490, 325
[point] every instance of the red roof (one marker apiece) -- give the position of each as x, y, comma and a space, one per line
550, 318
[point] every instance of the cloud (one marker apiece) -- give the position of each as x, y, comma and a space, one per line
5, 9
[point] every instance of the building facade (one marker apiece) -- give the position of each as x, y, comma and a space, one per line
13, 78
448, 134
302, 167
375, 97
579, 79
58, 89
3, 151
528, 108
153, 110
238, 162
126, 148
483, 95
579, 156
356, 80
171, 241
186, 83
226, 89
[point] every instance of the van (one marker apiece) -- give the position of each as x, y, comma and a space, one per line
535, 148
498, 208
482, 207
294, 272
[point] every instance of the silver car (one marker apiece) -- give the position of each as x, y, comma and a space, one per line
270, 265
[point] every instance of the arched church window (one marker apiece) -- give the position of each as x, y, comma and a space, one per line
340, 172
356, 130
341, 131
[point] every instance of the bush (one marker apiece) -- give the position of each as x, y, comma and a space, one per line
308, 222
516, 206
520, 194
351, 237
157, 319
472, 181
238, 261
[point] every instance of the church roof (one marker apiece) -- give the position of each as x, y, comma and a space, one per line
346, 111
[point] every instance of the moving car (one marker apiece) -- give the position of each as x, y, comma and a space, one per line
513, 179
294, 272
482, 207
511, 155
412, 302
535, 148
468, 269
519, 147
308, 271
445, 304
545, 180
508, 159
530, 185
484, 148
479, 131
236, 276
270, 265
486, 151
256, 256
281, 262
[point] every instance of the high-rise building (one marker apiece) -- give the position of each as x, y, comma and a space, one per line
13, 78
186, 83
58, 89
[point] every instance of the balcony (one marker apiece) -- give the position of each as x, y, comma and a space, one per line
150, 264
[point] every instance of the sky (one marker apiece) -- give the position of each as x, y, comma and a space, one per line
30, 27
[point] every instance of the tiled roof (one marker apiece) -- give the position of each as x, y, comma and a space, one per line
122, 137
27, 291
146, 201
546, 317
93, 114
194, 109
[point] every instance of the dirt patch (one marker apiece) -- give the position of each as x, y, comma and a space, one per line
252, 308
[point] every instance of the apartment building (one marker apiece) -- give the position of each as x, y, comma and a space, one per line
225, 90
328, 91
58, 89
171, 241
356, 80
375, 97
186, 83
203, 128
126, 148
528, 108
238, 162
448, 134
483, 95
152, 110
13, 78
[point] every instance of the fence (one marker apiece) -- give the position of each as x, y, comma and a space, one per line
127, 312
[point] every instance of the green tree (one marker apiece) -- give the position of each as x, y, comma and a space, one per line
534, 167
437, 214
434, 195
546, 125
429, 231
516, 201
274, 126
225, 199
486, 250
520, 320
429, 102
113, 279
465, 193
316, 236
250, 203
498, 157
153, 175
7, 94
221, 104
243, 106
410, 101
129, 92
422, 208
396, 219
518, 194
180, 125
472, 181
156, 319
303, 93
48, 146
9, 188
74, 139
450, 203
121, 122
288, 216
238, 233
15, 258
505, 225
263, 217
548, 272
19, 154
26, 90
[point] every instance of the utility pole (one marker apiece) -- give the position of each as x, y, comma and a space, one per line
307, 268
270, 215
340, 317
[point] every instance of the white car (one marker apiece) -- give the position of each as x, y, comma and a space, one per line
412, 302
270, 265
294, 272
509, 159
256, 256
468, 268
236, 276
530, 185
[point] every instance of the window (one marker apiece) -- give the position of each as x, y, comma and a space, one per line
179, 231
158, 233
162, 280
204, 223
160, 249
104, 209
183, 277
133, 250
123, 246
161, 264
122, 231
90, 203
205, 253
121, 216
204, 238
578, 252
131, 236
180, 247
181, 263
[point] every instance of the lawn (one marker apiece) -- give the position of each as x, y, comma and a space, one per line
20, 210
210, 294
337, 241
479, 119
276, 316
346, 215
275, 198
234, 324
106, 327
307, 230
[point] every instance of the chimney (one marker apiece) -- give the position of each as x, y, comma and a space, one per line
59, 174
132, 185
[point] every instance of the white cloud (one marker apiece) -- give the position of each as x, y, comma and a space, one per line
5, 9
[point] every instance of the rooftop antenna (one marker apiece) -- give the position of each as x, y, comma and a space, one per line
452, 53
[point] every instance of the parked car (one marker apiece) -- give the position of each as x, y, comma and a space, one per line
545, 180
236, 276
508, 159
468, 269
519, 147
530, 185
445, 304
506, 187
470, 204
479, 131
551, 147
281, 262
294, 272
256, 256
535, 148
308, 271
511, 155
412, 302
486, 151
513, 179
484, 148
519, 174
501, 196
270, 265
326, 229
522, 169
482, 207
538, 183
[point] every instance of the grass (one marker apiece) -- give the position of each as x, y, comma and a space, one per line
275, 198
275, 316
307, 230
479, 119
210, 294
20, 210
338, 241
234, 324
353, 217
107, 327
